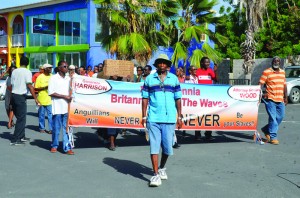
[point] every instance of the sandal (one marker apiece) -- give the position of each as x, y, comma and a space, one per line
112, 148
49, 132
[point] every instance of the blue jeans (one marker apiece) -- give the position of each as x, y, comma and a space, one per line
60, 122
276, 111
42, 110
161, 135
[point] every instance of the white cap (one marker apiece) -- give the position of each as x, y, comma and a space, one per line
47, 65
71, 67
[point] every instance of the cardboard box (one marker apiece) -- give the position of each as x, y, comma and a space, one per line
121, 68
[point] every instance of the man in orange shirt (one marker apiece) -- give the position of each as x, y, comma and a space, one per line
275, 98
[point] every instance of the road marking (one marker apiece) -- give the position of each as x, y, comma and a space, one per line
294, 122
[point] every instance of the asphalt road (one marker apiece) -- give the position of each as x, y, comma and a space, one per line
230, 166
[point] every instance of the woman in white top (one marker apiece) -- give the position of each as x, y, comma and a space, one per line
8, 106
192, 78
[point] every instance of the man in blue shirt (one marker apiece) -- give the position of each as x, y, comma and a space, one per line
161, 95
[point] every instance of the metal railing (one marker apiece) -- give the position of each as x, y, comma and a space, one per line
17, 40
234, 82
3, 41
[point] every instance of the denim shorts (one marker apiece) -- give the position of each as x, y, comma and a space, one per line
161, 135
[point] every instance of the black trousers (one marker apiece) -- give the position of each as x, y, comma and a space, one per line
19, 107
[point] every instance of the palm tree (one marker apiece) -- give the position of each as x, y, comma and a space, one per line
254, 10
134, 27
192, 22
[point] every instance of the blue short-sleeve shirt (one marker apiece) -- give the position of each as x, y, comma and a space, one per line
162, 97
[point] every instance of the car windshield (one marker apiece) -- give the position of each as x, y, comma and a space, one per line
292, 72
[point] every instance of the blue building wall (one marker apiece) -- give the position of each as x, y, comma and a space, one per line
96, 54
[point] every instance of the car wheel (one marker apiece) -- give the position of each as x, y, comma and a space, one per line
294, 95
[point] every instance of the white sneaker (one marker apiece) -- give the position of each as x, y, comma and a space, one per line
162, 173
155, 181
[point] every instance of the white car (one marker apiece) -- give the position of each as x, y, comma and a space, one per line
2, 87
292, 74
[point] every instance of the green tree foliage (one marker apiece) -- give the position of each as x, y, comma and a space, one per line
191, 23
281, 33
279, 36
234, 30
133, 32
138, 27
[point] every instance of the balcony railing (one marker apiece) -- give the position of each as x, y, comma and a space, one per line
3, 41
233, 81
17, 40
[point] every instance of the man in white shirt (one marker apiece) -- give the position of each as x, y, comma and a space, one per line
59, 90
21, 81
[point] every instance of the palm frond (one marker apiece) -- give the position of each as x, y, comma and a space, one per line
180, 52
196, 57
194, 32
211, 53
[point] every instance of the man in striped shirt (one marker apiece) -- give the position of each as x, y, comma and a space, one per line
275, 98
161, 110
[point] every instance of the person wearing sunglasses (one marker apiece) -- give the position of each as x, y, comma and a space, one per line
59, 90
139, 74
147, 70
192, 78
161, 111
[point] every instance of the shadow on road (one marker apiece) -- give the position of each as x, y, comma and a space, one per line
2, 123
129, 168
34, 114
6, 135
35, 128
248, 136
42, 144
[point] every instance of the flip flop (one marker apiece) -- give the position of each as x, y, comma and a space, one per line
112, 148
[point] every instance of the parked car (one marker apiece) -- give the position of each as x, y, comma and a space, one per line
2, 87
292, 74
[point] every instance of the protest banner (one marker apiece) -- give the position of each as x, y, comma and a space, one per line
105, 103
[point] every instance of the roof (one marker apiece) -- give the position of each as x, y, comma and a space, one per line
16, 5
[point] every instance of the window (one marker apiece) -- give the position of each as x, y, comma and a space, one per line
17, 28
73, 27
75, 58
40, 38
38, 59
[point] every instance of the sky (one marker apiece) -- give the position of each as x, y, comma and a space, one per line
14, 3
221, 3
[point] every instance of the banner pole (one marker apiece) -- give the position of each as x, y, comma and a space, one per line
69, 104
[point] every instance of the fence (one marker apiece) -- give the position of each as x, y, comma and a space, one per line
17, 40
3, 41
234, 82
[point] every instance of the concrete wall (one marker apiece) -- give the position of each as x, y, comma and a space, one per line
259, 66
